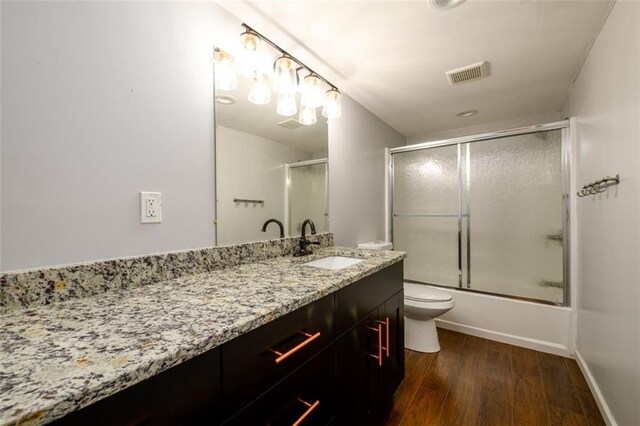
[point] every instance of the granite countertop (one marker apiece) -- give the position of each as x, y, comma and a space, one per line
59, 358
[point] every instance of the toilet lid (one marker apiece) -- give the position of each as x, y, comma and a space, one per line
422, 293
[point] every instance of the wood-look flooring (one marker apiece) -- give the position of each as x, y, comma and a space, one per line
474, 381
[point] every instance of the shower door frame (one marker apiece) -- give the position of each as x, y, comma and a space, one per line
563, 126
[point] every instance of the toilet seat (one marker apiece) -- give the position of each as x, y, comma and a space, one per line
424, 294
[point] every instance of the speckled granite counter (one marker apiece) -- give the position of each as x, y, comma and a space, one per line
59, 358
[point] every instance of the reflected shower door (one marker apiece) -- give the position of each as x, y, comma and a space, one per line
308, 197
515, 204
425, 214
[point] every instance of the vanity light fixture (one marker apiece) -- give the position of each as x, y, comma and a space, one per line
284, 76
286, 105
260, 93
308, 115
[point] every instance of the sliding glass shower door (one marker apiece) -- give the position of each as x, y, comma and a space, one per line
485, 215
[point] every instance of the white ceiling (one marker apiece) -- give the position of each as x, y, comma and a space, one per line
391, 56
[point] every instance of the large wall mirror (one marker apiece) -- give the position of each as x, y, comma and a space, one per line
268, 166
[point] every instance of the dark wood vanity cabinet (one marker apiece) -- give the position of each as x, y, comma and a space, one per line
370, 364
337, 360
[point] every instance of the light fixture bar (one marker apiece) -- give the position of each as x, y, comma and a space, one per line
293, 58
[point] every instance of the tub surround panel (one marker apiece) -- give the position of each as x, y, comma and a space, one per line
59, 358
33, 288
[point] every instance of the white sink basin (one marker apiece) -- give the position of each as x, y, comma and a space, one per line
334, 262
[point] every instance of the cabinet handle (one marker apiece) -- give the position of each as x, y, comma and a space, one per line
282, 356
386, 324
379, 331
310, 408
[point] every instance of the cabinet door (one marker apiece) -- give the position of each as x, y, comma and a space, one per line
391, 373
357, 371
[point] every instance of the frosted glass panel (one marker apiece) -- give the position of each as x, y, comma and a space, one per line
515, 201
426, 181
432, 247
308, 197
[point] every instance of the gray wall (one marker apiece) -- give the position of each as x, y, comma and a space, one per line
357, 143
605, 100
101, 100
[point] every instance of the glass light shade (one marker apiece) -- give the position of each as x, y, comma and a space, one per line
226, 78
249, 41
307, 116
333, 105
260, 93
311, 90
286, 76
286, 104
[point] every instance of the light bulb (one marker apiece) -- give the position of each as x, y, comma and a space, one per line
286, 104
307, 115
226, 78
260, 93
333, 105
286, 76
311, 91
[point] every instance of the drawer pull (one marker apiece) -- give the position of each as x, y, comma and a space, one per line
310, 408
379, 331
386, 324
282, 356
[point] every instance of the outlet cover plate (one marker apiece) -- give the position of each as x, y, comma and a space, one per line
150, 207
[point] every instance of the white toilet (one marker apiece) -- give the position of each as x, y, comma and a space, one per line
422, 305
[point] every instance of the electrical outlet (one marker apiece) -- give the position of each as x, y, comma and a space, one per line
150, 207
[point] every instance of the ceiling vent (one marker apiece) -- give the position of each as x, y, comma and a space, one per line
469, 73
290, 123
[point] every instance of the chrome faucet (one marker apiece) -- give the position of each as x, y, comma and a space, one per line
264, 227
304, 250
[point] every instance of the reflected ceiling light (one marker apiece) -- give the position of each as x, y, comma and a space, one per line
467, 114
249, 40
308, 115
226, 78
446, 4
225, 99
260, 93
332, 104
286, 105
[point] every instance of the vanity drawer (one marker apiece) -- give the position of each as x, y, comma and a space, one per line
357, 300
305, 397
253, 362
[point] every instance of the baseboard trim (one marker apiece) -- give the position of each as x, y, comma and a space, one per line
595, 390
525, 342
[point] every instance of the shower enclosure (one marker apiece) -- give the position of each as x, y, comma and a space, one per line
306, 195
486, 213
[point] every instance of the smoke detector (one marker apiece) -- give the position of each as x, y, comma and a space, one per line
468, 73
446, 4
290, 123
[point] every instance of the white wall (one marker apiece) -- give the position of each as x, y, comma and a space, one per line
101, 100
357, 144
605, 99
250, 166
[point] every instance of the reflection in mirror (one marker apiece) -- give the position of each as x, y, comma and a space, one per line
276, 166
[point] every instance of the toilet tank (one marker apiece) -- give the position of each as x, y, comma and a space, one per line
376, 245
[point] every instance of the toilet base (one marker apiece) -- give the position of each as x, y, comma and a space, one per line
421, 335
